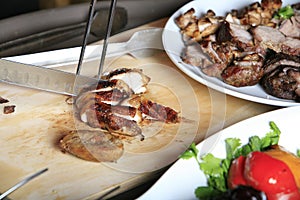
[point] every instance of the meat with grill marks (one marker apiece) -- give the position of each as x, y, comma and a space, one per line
235, 48
245, 71
114, 110
282, 76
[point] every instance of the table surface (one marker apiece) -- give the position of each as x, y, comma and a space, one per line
215, 115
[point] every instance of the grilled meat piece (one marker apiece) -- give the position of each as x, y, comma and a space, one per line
291, 46
194, 56
272, 38
198, 28
260, 14
185, 19
2, 100
94, 146
158, 112
134, 78
291, 27
120, 120
236, 34
108, 91
245, 71
9, 109
283, 82
276, 59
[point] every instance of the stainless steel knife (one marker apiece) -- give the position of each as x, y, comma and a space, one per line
41, 78
52, 80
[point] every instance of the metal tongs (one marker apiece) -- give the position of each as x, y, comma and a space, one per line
87, 32
103, 54
22, 182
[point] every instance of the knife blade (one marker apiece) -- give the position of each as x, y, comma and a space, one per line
52, 80
46, 79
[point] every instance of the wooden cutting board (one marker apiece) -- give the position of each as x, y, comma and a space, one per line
29, 136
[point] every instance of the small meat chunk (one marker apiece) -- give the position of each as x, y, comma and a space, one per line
2, 100
9, 109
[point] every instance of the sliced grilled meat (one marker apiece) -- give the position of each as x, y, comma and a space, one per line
236, 34
291, 27
94, 146
119, 120
194, 56
158, 112
245, 71
134, 78
271, 38
283, 82
108, 91
276, 59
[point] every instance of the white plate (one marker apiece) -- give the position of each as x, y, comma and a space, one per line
180, 181
174, 45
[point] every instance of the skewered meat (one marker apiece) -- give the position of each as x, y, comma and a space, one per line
92, 145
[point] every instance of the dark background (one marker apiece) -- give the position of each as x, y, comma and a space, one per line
9, 8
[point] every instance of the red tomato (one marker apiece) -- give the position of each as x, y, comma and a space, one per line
236, 173
270, 175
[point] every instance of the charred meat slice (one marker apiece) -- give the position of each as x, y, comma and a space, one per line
134, 78
116, 119
245, 71
158, 112
283, 82
94, 146
236, 34
108, 91
275, 59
